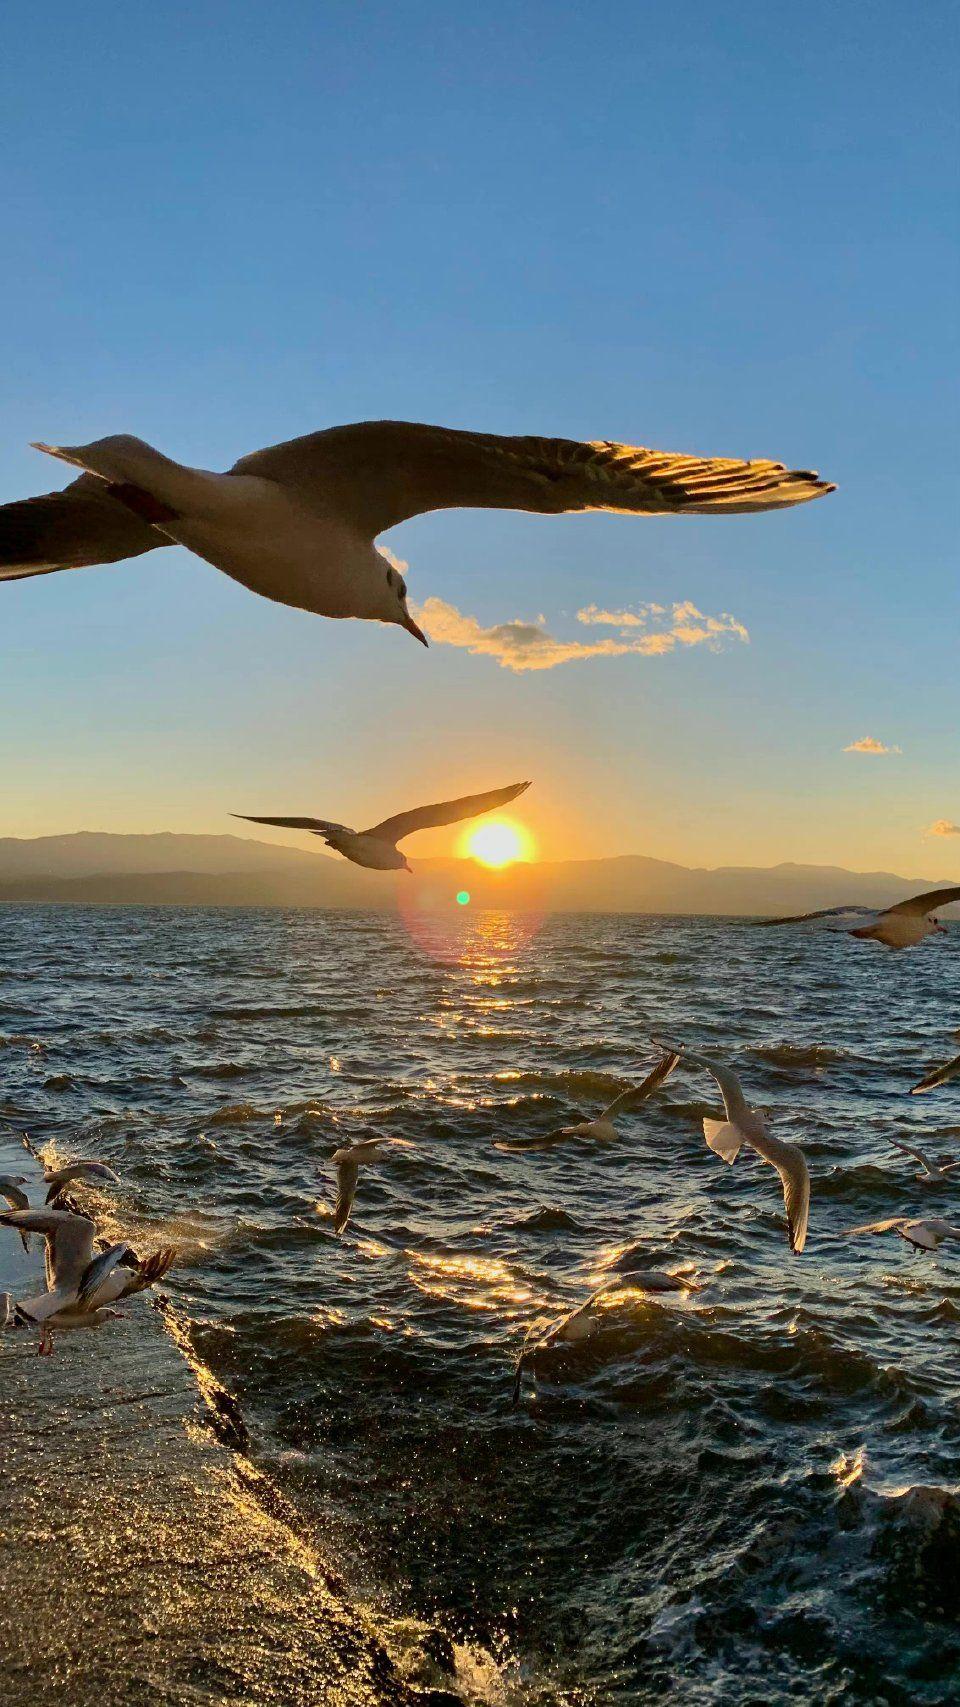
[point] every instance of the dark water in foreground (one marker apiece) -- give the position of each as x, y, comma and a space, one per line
701, 1504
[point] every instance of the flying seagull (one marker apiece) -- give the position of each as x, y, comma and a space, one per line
902, 926
80, 1285
377, 847
923, 1235
57, 1179
297, 522
10, 1189
938, 1075
602, 1128
934, 1173
347, 1161
744, 1125
583, 1322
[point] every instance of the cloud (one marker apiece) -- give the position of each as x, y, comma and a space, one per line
649, 632
867, 744
942, 827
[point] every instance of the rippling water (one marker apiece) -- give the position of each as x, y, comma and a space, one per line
706, 1502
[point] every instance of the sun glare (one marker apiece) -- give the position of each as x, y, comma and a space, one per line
497, 842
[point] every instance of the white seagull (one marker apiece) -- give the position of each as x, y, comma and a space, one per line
80, 1285
934, 1173
377, 848
57, 1179
923, 1235
297, 522
584, 1321
347, 1162
902, 926
10, 1189
938, 1075
602, 1128
744, 1125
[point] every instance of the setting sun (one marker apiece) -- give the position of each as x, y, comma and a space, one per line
497, 842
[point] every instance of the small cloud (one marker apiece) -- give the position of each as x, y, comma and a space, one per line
522, 646
942, 827
867, 744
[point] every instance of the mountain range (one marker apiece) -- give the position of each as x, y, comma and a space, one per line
93, 867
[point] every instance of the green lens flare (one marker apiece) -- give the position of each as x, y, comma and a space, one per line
463, 898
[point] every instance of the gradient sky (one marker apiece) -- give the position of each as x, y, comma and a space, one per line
720, 231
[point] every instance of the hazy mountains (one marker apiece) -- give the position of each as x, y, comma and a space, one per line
230, 871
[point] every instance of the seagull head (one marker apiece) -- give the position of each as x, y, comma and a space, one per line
396, 607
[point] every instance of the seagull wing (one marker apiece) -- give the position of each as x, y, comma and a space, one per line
17, 1199
909, 1150
823, 913
791, 1164
69, 1242
319, 826
892, 1224
81, 525
348, 1172
96, 1273
926, 903
444, 812
937, 1076
639, 1093
378, 473
540, 1141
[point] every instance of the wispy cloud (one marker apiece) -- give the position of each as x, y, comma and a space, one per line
867, 744
649, 631
942, 827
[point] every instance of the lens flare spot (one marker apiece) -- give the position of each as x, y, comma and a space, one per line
463, 898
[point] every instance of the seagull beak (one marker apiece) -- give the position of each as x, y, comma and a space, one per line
411, 627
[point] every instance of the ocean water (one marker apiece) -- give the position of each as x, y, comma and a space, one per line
748, 1496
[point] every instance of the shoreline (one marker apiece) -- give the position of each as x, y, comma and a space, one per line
165, 1562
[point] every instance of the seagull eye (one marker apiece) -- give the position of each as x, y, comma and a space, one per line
402, 588
389, 577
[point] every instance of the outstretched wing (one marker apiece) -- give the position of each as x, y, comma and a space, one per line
97, 1272
348, 1172
823, 913
382, 472
937, 1076
908, 1150
893, 1222
923, 904
319, 826
795, 1179
444, 812
81, 525
69, 1242
149, 1271
639, 1093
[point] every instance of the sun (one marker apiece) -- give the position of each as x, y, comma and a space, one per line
497, 842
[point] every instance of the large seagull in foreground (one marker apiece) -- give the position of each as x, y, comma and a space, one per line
297, 522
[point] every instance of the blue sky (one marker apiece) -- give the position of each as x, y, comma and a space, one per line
710, 231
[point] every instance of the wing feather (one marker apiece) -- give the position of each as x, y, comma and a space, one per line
382, 472
927, 902
71, 529
444, 812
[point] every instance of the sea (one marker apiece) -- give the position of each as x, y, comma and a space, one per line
745, 1495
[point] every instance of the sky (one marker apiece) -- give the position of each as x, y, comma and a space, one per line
705, 229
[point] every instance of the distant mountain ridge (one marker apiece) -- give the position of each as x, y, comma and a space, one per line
95, 867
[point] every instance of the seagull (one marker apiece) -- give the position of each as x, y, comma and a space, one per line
902, 926
602, 1128
80, 1285
10, 1189
583, 1322
744, 1125
934, 1173
938, 1075
57, 1179
377, 848
923, 1235
297, 522
347, 1162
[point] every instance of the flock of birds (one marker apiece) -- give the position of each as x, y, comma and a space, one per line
297, 523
